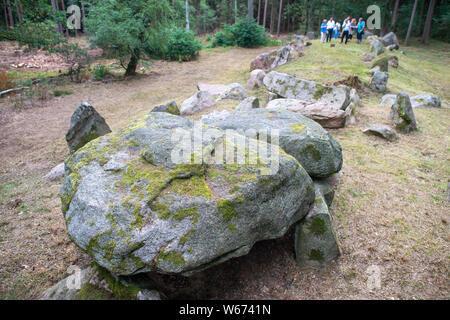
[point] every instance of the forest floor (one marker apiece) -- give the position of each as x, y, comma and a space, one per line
390, 209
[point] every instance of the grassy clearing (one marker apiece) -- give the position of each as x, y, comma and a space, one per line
390, 208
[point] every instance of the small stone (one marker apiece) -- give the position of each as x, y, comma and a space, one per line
170, 107
199, 101
248, 104
256, 79
379, 81
86, 124
235, 92
56, 173
383, 131
148, 295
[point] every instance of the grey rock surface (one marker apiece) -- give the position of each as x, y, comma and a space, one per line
170, 107
159, 214
86, 124
199, 101
383, 131
402, 114
316, 150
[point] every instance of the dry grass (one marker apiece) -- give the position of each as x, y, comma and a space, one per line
390, 208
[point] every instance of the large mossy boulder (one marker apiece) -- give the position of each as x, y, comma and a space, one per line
376, 47
382, 62
308, 92
316, 150
134, 207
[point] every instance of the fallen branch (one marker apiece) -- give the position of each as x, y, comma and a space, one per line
12, 90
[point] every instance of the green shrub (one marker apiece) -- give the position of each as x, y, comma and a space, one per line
224, 37
99, 72
249, 34
245, 33
183, 45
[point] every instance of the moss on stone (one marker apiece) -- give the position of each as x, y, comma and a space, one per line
298, 127
316, 255
312, 151
191, 212
91, 292
119, 290
186, 237
317, 226
321, 91
227, 209
174, 257
194, 186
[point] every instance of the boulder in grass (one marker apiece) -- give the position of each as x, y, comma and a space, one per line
212, 89
388, 100
310, 35
86, 124
326, 116
378, 83
308, 92
162, 213
56, 173
248, 104
316, 244
402, 114
376, 47
235, 92
390, 39
393, 60
199, 101
382, 62
283, 56
367, 57
426, 101
316, 150
382, 131
170, 107
263, 61
256, 79
393, 47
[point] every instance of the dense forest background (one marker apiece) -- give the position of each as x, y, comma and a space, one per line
300, 16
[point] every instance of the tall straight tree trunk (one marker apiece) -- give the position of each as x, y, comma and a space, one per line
259, 12
395, 14
280, 9
60, 28
272, 17
83, 15
250, 9
422, 11
411, 22
63, 7
188, 27
10, 15
265, 12
19, 10
235, 11
427, 28
5, 12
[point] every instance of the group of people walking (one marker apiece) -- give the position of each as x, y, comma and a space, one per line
332, 29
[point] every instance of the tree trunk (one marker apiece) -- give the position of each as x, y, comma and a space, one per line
11, 20
188, 27
427, 28
60, 28
63, 7
265, 12
279, 18
5, 12
395, 14
19, 10
235, 11
259, 12
422, 11
83, 17
250, 9
411, 22
272, 17
132, 64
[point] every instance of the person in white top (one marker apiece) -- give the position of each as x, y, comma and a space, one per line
330, 28
345, 30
